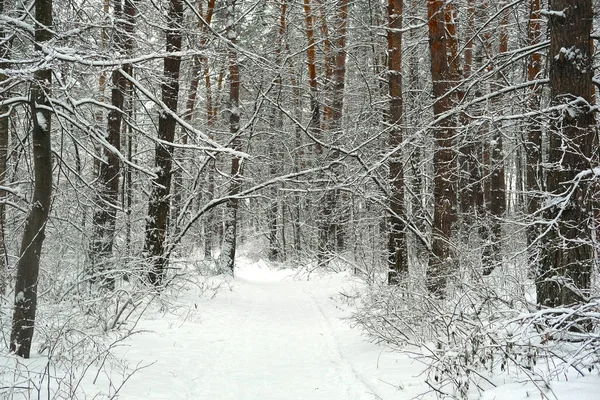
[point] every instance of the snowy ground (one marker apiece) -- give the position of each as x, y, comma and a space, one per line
266, 334
270, 336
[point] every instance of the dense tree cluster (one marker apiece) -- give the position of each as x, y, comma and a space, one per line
438, 143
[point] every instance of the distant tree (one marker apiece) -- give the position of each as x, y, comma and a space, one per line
567, 253
227, 257
533, 140
34, 234
397, 247
4, 134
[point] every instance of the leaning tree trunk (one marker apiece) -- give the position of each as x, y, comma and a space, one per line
397, 248
227, 256
158, 208
440, 259
567, 255
33, 237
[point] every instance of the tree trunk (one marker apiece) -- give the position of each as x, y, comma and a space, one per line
330, 228
397, 247
4, 134
198, 63
441, 263
158, 208
105, 215
227, 256
533, 145
567, 255
492, 253
315, 121
33, 236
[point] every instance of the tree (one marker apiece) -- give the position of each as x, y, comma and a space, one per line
533, 144
158, 207
440, 259
397, 247
565, 272
226, 260
107, 203
34, 234
4, 133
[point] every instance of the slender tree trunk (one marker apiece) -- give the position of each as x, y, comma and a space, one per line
567, 254
315, 121
397, 247
330, 228
492, 253
441, 264
33, 236
4, 134
227, 256
196, 73
105, 215
533, 144
158, 208
470, 172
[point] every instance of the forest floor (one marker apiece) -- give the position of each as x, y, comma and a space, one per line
269, 333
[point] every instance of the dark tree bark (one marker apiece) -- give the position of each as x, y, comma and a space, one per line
441, 263
190, 110
227, 256
158, 208
567, 255
397, 248
33, 236
105, 215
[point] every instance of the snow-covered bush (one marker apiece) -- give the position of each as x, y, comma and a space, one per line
478, 339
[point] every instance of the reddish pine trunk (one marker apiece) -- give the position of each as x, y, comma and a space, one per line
397, 248
567, 255
441, 263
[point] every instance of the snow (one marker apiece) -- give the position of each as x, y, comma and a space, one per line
41, 121
268, 333
270, 336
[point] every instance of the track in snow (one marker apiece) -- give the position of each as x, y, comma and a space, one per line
266, 339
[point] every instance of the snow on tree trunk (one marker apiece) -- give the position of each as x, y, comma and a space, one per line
226, 260
26, 284
158, 208
441, 262
4, 122
397, 248
567, 254
107, 202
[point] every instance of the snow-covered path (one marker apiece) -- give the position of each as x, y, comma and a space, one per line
270, 337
